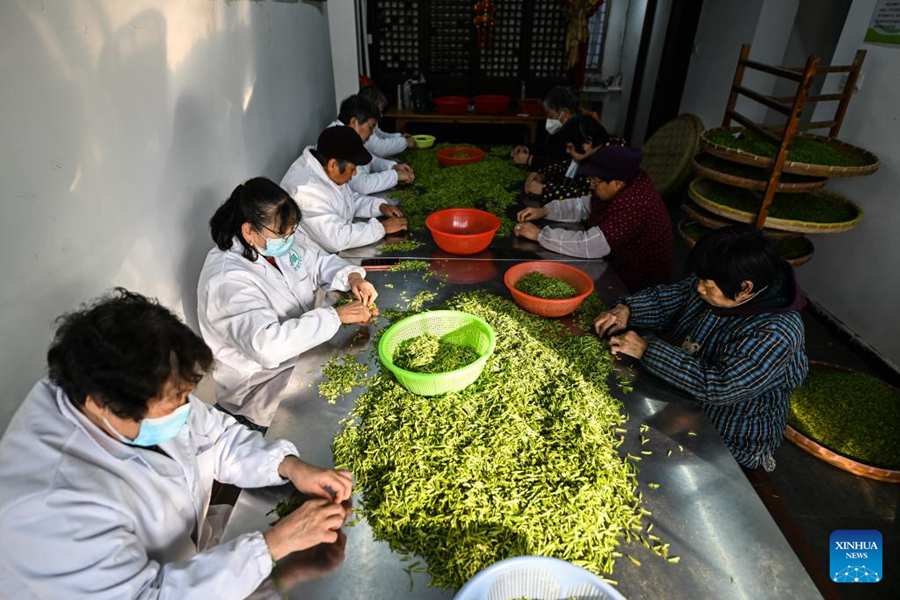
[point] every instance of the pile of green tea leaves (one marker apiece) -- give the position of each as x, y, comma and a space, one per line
738, 170
430, 354
401, 246
525, 461
541, 286
340, 375
491, 184
853, 414
819, 207
788, 248
803, 149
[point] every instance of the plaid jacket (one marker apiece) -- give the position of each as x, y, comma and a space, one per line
741, 369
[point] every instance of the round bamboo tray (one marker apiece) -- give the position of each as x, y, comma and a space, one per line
798, 168
711, 221
735, 175
690, 239
667, 154
699, 190
839, 460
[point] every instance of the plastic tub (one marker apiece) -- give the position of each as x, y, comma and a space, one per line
423, 141
491, 104
454, 156
462, 230
546, 307
451, 105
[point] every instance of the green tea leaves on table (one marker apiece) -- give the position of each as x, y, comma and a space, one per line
340, 375
429, 354
541, 286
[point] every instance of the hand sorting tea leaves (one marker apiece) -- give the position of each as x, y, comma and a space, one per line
430, 354
542, 286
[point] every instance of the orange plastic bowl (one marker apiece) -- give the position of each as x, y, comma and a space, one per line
462, 230
453, 156
491, 104
451, 105
545, 307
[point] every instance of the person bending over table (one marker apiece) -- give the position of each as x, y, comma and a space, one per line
381, 143
379, 174
256, 298
561, 105
108, 466
626, 220
318, 181
559, 180
738, 338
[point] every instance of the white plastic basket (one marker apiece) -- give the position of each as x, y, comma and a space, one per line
536, 578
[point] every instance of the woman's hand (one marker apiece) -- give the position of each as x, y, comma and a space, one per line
532, 213
362, 290
405, 173
354, 312
315, 522
389, 210
410, 140
613, 320
394, 225
528, 231
629, 344
329, 484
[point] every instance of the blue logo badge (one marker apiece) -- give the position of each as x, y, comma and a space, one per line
855, 556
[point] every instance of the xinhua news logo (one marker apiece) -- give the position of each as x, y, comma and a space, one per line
855, 556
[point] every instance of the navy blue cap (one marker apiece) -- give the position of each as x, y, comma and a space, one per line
612, 163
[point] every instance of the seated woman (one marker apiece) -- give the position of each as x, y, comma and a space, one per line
561, 105
382, 143
559, 180
627, 220
108, 466
256, 299
739, 339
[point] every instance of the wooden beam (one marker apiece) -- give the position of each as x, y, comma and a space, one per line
817, 125
847, 93
777, 71
735, 84
753, 126
810, 99
765, 100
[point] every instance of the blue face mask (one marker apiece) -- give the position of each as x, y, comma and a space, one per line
278, 246
156, 431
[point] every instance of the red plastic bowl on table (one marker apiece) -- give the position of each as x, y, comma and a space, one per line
532, 106
462, 230
451, 105
546, 307
454, 156
491, 104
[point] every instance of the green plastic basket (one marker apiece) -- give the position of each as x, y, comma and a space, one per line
450, 325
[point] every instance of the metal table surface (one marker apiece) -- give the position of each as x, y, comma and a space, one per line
728, 543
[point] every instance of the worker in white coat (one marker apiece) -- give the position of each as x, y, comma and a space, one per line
382, 143
379, 174
331, 210
257, 296
108, 465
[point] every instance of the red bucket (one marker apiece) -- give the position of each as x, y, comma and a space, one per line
462, 230
546, 307
491, 104
451, 105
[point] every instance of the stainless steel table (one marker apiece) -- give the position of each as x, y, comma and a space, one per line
728, 543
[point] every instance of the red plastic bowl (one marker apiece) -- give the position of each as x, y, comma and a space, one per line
491, 105
453, 156
451, 105
532, 106
462, 230
545, 307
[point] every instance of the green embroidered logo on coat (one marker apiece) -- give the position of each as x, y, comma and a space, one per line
295, 260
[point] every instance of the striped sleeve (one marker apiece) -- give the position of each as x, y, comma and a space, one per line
748, 367
656, 307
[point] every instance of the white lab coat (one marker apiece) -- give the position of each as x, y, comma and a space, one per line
384, 144
257, 320
83, 515
329, 209
377, 176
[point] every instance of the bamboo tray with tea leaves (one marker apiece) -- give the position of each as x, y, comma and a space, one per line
797, 250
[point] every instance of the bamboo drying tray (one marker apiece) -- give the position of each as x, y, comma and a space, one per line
690, 238
751, 178
667, 154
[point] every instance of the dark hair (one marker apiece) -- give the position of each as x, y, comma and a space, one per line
734, 254
359, 108
323, 160
585, 129
561, 98
258, 201
121, 350
373, 95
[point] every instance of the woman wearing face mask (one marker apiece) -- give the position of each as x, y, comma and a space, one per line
108, 466
739, 339
561, 105
257, 297
626, 220
559, 180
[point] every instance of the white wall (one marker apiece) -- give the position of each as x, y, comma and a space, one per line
124, 125
651, 71
855, 275
342, 28
625, 26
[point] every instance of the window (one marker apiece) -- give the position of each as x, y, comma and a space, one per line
593, 71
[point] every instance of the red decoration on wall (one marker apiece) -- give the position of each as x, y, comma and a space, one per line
484, 22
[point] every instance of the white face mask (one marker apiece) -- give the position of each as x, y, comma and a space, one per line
553, 125
572, 170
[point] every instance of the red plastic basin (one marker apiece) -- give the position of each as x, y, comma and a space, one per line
532, 106
453, 156
545, 307
451, 105
491, 104
462, 230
